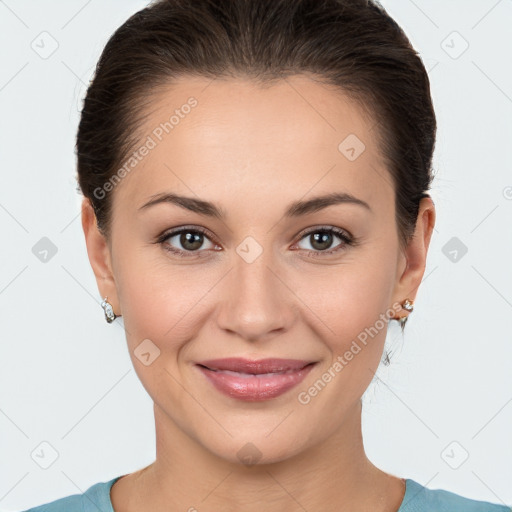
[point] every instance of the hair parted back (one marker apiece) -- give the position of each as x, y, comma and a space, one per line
351, 44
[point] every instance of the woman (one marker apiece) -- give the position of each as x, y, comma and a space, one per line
255, 178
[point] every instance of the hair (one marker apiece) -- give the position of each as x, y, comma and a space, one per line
353, 45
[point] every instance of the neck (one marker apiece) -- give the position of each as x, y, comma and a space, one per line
334, 475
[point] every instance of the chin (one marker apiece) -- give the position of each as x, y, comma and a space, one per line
256, 449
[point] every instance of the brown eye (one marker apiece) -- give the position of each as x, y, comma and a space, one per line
186, 240
321, 240
191, 241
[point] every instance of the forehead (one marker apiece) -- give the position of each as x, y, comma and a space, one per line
215, 138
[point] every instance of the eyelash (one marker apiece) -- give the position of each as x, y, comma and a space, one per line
347, 240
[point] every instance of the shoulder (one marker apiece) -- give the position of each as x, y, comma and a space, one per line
95, 498
421, 499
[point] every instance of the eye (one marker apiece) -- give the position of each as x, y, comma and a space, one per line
322, 238
188, 240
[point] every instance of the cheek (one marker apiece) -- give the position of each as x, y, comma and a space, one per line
159, 320
354, 316
160, 301
349, 298
353, 303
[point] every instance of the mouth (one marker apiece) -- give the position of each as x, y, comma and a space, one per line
255, 380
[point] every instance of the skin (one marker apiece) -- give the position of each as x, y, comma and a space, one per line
253, 151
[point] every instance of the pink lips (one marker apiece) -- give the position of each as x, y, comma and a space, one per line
254, 380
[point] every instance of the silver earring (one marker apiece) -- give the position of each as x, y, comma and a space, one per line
110, 316
408, 305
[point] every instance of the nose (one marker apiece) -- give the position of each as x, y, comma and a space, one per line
257, 303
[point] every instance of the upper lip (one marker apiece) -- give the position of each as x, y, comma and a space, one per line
239, 364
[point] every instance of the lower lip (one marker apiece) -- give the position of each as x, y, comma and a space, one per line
254, 388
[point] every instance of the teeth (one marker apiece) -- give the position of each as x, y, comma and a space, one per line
243, 374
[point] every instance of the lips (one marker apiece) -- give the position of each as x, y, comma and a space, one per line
254, 380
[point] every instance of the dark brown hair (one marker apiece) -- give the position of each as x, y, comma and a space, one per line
352, 44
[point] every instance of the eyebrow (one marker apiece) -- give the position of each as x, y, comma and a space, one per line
296, 209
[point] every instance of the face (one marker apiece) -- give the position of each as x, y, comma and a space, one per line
273, 274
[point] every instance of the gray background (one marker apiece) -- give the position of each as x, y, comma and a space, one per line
72, 411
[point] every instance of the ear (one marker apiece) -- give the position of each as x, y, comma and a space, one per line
99, 252
413, 259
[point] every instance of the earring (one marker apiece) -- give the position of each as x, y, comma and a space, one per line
408, 305
110, 316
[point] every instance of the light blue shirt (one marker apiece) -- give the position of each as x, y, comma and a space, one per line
416, 499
